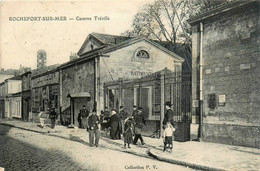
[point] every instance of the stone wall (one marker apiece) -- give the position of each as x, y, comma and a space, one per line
77, 78
231, 67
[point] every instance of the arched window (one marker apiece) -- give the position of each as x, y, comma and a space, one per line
142, 54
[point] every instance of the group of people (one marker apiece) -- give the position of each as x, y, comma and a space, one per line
168, 127
91, 121
52, 116
120, 124
128, 125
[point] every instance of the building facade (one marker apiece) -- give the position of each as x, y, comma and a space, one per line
45, 90
225, 75
26, 96
10, 98
105, 58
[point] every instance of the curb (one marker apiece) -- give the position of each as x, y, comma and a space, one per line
79, 141
149, 155
10, 125
183, 163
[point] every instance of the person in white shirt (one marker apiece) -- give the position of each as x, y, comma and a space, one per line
41, 116
167, 136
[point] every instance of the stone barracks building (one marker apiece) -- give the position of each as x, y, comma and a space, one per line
226, 73
107, 58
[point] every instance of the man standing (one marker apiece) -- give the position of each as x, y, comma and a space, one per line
135, 112
139, 121
53, 116
106, 112
168, 117
82, 118
93, 122
114, 121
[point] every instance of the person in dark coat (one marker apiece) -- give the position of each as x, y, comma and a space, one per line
106, 112
135, 111
53, 116
138, 123
114, 120
105, 124
168, 117
101, 117
82, 118
93, 127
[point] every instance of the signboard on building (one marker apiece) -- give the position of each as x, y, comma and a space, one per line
51, 78
221, 99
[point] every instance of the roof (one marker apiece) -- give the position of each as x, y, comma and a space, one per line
110, 39
78, 95
137, 39
44, 70
103, 39
224, 7
87, 55
109, 48
18, 77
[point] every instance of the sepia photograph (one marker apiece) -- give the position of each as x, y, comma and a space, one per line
123, 85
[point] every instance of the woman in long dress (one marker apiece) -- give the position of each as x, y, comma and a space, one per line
128, 132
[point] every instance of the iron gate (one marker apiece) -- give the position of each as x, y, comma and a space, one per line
150, 93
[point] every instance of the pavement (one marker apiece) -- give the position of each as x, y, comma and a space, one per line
193, 154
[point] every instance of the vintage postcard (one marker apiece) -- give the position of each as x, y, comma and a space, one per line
129, 85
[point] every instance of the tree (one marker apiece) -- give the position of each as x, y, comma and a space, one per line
165, 20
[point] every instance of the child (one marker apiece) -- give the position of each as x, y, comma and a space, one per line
128, 133
167, 135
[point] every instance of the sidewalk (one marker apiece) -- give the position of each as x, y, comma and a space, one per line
198, 155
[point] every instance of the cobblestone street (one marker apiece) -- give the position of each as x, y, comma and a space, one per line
25, 150
19, 155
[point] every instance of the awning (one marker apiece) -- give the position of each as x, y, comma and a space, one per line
78, 95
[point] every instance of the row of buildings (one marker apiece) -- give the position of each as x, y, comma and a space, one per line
219, 101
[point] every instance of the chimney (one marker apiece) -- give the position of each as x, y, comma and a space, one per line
73, 56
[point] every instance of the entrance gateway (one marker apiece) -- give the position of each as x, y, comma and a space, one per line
150, 93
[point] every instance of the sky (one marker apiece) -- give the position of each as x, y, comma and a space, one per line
20, 40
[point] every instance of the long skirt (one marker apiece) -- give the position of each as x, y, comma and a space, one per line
128, 136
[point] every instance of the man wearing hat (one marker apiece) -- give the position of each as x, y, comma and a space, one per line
168, 117
114, 121
93, 127
82, 117
134, 111
106, 112
138, 123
